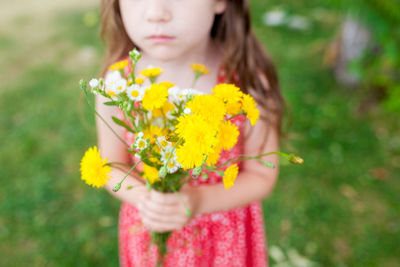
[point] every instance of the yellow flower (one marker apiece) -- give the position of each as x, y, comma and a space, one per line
214, 156
211, 108
189, 156
94, 170
155, 97
150, 174
160, 111
229, 93
139, 81
152, 131
228, 135
199, 68
233, 108
249, 107
166, 84
199, 137
155, 160
230, 176
151, 72
197, 132
120, 65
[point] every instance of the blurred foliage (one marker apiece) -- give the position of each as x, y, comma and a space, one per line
379, 67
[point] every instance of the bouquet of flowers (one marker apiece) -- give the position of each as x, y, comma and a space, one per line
178, 132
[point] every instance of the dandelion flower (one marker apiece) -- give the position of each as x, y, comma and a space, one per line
150, 174
197, 132
230, 176
152, 131
155, 97
94, 170
209, 107
167, 107
228, 135
167, 84
139, 81
199, 69
120, 65
249, 107
214, 155
229, 93
151, 72
189, 156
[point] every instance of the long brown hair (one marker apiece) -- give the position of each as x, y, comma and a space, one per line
242, 53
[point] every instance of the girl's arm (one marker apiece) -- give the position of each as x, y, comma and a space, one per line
112, 148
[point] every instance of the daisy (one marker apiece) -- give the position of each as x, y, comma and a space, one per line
135, 92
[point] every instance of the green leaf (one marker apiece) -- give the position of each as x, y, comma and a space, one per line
111, 103
123, 124
267, 163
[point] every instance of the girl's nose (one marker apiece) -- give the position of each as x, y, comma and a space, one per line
157, 11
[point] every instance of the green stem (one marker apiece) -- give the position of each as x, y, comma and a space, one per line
127, 117
94, 110
240, 113
129, 172
117, 163
172, 152
196, 77
244, 157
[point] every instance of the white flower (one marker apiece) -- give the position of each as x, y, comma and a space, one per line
191, 92
141, 143
172, 166
135, 92
112, 77
187, 111
119, 86
163, 143
115, 84
140, 134
94, 83
174, 92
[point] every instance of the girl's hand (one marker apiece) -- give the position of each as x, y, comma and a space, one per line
164, 212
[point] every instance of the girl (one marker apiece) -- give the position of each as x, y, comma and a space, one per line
226, 226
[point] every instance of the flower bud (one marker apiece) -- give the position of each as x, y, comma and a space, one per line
295, 159
117, 187
82, 84
196, 172
163, 172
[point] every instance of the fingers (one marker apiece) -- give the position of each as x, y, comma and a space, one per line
164, 198
162, 212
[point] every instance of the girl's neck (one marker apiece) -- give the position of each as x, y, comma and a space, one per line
178, 69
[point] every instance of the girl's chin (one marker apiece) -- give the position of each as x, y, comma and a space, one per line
164, 54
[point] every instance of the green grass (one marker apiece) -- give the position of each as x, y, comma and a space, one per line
332, 210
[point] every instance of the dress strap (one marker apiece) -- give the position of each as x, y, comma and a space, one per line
222, 75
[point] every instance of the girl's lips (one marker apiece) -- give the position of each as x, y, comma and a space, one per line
160, 38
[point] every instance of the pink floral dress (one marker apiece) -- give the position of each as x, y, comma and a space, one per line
227, 238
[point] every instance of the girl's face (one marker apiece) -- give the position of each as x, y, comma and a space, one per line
167, 29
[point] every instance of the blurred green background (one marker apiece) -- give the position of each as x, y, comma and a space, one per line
341, 208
